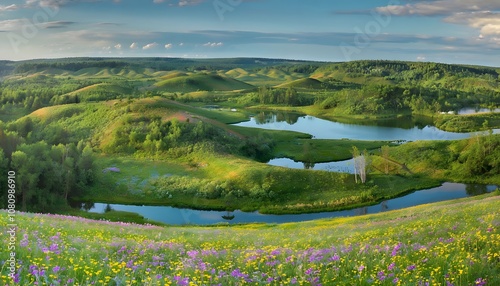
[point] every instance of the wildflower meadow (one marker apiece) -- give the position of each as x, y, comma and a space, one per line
448, 243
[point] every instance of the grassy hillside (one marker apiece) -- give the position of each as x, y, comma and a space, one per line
303, 83
208, 82
448, 243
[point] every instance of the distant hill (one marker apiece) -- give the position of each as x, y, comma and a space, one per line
303, 83
208, 82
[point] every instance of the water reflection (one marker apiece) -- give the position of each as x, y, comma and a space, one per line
475, 189
177, 216
405, 129
345, 166
265, 117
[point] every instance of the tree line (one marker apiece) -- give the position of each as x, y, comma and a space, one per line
47, 176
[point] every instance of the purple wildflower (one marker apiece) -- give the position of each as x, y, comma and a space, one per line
391, 266
396, 249
335, 258
480, 281
411, 267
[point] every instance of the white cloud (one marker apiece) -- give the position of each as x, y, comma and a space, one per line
210, 44
12, 25
181, 44
118, 46
421, 58
487, 22
440, 7
134, 46
478, 14
190, 2
158, 1
8, 8
150, 46
168, 46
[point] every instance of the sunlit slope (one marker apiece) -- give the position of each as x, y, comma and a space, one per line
208, 82
303, 83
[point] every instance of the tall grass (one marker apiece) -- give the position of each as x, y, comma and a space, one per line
450, 243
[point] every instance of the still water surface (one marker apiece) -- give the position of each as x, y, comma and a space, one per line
406, 129
179, 216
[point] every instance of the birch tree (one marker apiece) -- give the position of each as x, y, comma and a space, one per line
361, 163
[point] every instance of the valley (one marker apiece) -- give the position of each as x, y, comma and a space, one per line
198, 133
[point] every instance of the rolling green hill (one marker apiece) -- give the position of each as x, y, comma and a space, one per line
208, 82
304, 83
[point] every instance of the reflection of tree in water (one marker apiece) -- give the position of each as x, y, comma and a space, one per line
264, 117
229, 201
86, 206
308, 165
475, 189
290, 118
384, 206
361, 211
228, 216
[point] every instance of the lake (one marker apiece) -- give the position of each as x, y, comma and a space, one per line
346, 166
325, 129
179, 216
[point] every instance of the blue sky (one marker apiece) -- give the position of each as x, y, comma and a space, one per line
451, 31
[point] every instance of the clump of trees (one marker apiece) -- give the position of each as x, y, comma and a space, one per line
481, 156
47, 177
150, 136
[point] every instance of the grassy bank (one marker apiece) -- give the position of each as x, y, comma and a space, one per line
449, 242
203, 181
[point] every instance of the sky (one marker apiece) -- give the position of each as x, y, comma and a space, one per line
448, 31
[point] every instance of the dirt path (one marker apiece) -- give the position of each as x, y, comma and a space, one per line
403, 166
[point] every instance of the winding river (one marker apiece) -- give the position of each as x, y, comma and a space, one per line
178, 216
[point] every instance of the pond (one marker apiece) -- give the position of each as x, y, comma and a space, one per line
406, 129
178, 216
346, 166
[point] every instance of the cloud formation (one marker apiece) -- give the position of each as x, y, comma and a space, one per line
210, 44
483, 15
440, 7
12, 7
56, 24
488, 23
150, 46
